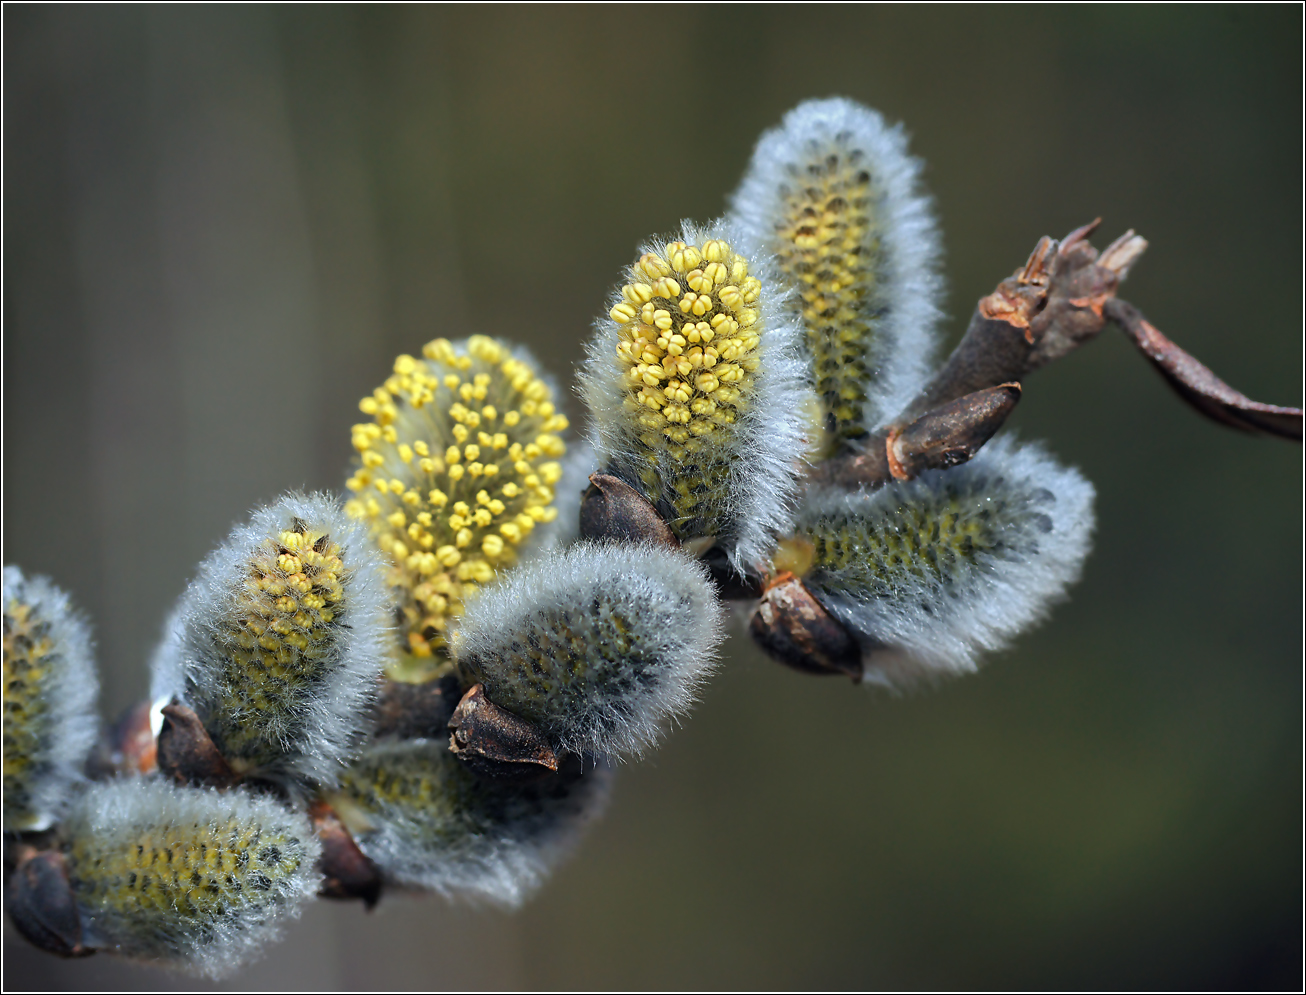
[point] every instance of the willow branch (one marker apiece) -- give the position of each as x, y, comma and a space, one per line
1197, 385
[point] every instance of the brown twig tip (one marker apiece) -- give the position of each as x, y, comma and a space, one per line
1080, 234
612, 509
1121, 254
794, 628
187, 754
1035, 270
42, 906
346, 870
1047, 308
1200, 387
495, 743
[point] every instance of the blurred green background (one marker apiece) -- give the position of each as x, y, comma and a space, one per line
222, 223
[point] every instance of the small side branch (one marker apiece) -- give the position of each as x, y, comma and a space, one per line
1197, 385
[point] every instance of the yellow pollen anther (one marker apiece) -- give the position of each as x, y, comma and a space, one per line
685, 369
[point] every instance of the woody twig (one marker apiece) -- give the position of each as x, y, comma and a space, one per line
1059, 300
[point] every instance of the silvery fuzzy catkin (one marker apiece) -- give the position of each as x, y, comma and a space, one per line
50, 686
930, 573
598, 645
187, 878
456, 477
696, 390
278, 643
834, 194
427, 822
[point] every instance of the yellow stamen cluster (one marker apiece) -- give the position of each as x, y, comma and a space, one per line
457, 467
279, 644
28, 658
689, 347
828, 244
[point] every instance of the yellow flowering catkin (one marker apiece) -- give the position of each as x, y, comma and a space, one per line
294, 593
690, 350
457, 469
696, 396
49, 701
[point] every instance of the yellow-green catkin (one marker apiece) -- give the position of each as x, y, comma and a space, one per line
930, 573
695, 391
278, 643
825, 225
188, 877
427, 822
833, 193
456, 474
50, 687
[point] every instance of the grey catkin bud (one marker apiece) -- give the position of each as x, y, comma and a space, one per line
188, 878
50, 686
598, 645
427, 822
834, 194
930, 573
278, 643
697, 392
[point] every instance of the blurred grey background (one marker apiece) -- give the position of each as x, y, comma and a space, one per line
222, 223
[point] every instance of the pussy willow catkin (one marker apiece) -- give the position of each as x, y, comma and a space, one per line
457, 475
427, 822
696, 389
598, 645
278, 643
834, 194
50, 686
932, 572
189, 878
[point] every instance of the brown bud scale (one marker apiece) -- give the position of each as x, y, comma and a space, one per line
793, 627
187, 754
494, 743
42, 906
612, 509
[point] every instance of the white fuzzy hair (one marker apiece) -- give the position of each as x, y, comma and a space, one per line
577, 466
118, 815
765, 449
331, 724
915, 625
909, 236
599, 645
68, 723
481, 841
